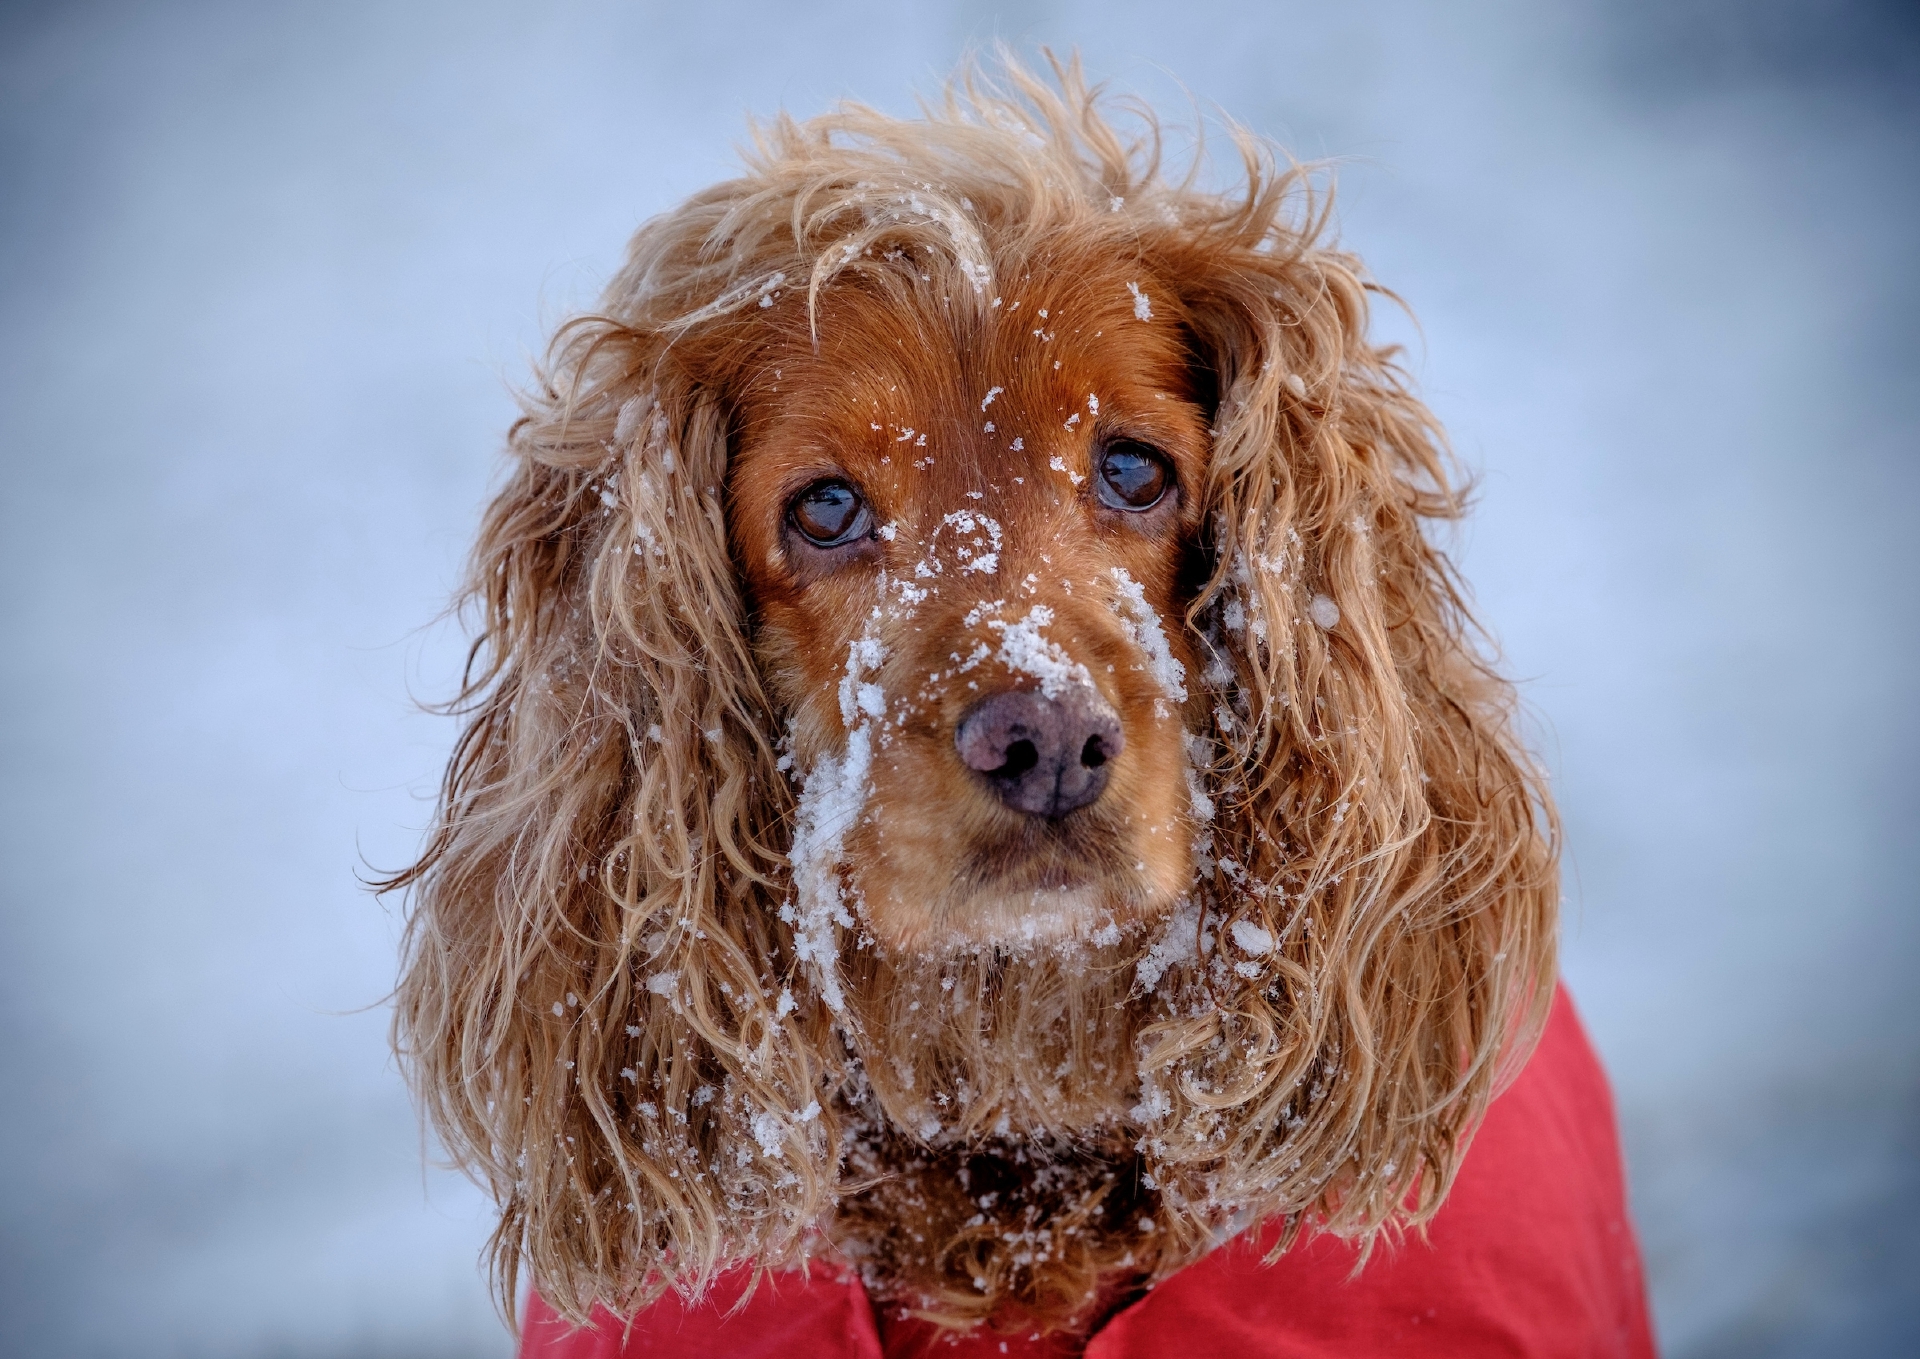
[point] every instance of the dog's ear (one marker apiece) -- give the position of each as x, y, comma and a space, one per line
589, 1007
1381, 877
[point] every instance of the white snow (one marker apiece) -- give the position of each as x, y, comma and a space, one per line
1173, 945
1143, 625
768, 1132
976, 271
831, 800
627, 424
980, 553
1199, 804
1251, 938
1025, 648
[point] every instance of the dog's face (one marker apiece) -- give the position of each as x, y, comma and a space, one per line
963, 533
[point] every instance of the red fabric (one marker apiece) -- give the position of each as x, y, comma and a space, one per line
1533, 1254
790, 1315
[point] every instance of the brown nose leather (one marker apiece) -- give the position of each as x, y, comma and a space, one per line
1043, 756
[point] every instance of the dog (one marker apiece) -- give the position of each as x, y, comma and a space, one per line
975, 767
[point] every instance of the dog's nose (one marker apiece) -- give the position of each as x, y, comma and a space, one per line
1044, 756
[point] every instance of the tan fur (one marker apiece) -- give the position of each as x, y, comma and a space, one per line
1020, 1073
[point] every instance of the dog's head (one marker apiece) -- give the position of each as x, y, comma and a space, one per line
965, 523
973, 756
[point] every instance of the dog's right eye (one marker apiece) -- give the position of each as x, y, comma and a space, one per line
1133, 476
830, 513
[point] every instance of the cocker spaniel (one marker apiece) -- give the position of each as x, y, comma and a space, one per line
975, 767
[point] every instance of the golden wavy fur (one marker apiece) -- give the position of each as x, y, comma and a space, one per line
719, 954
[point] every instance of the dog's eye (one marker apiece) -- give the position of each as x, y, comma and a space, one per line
830, 513
1133, 476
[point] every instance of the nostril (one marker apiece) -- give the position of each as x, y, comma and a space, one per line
1046, 756
1021, 756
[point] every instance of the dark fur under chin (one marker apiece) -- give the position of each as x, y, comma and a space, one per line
1019, 1233
989, 1135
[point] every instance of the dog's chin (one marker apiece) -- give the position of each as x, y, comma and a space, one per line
1065, 912
1024, 919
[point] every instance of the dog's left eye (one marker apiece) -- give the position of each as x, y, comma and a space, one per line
1132, 476
830, 513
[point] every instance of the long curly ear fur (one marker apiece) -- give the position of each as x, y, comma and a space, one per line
1381, 888
589, 1006
595, 1004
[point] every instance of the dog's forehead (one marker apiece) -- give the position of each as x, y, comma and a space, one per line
913, 388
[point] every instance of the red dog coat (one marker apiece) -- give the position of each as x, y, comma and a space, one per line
1532, 1255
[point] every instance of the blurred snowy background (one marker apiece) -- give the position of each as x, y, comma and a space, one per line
266, 273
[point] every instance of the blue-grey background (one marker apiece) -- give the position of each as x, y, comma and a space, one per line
267, 272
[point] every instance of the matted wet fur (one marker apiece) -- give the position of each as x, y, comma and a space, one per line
708, 961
